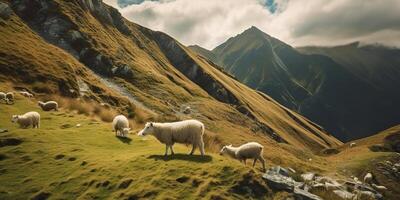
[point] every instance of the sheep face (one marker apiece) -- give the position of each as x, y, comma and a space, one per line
224, 149
125, 131
14, 118
148, 129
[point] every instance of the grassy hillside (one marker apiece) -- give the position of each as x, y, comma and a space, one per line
362, 158
155, 72
333, 93
61, 160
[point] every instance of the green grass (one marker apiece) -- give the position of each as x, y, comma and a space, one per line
87, 162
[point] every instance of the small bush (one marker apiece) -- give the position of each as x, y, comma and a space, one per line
106, 115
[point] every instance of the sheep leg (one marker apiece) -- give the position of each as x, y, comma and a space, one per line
201, 147
254, 163
244, 161
172, 151
262, 160
193, 149
166, 150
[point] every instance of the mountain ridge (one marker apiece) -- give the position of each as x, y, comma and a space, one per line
306, 83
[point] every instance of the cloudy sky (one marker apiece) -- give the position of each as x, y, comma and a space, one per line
208, 23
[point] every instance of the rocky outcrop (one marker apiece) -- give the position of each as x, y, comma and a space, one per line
280, 179
5, 11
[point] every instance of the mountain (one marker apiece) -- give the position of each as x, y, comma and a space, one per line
325, 90
96, 64
375, 64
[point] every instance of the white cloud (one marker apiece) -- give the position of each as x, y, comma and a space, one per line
297, 22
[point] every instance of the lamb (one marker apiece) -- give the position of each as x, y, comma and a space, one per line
47, 106
120, 125
26, 94
368, 178
27, 119
186, 132
246, 151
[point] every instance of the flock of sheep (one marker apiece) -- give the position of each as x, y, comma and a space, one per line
184, 132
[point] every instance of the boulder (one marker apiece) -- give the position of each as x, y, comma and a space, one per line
280, 170
279, 182
5, 11
343, 194
300, 194
308, 176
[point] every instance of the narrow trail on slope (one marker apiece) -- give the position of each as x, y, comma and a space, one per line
124, 92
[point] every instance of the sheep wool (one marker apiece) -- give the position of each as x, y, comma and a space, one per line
27, 119
50, 105
10, 96
251, 150
185, 132
2, 96
120, 125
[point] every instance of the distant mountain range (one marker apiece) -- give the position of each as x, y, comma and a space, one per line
349, 90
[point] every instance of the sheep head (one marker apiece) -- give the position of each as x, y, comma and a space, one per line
148, 129
224, 149
14, 118
125, 131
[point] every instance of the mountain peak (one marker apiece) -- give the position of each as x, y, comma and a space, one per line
254, 29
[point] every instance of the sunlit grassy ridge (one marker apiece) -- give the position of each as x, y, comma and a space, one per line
65, 161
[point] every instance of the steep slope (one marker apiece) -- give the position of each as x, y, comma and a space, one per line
313, 85
163, 74
79, 163
377, 154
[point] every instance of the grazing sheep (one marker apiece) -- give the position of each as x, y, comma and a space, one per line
249, 150
186, 132
120, 125
368, 178
10, 96
379, 188
27, 119
3, 96
353, 144
50, 105
26, 94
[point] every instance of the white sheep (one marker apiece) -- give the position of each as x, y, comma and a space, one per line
120, 125
379, 188
251, 150
368, 178
186, 132
27, 119
353, 144
3, 96
26, 94
10, 96
47, 106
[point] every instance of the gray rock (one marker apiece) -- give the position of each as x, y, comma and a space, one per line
5, 11
300, 194
344, 194
308, 176
367, 195
278, 182
280, 170
291, 170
